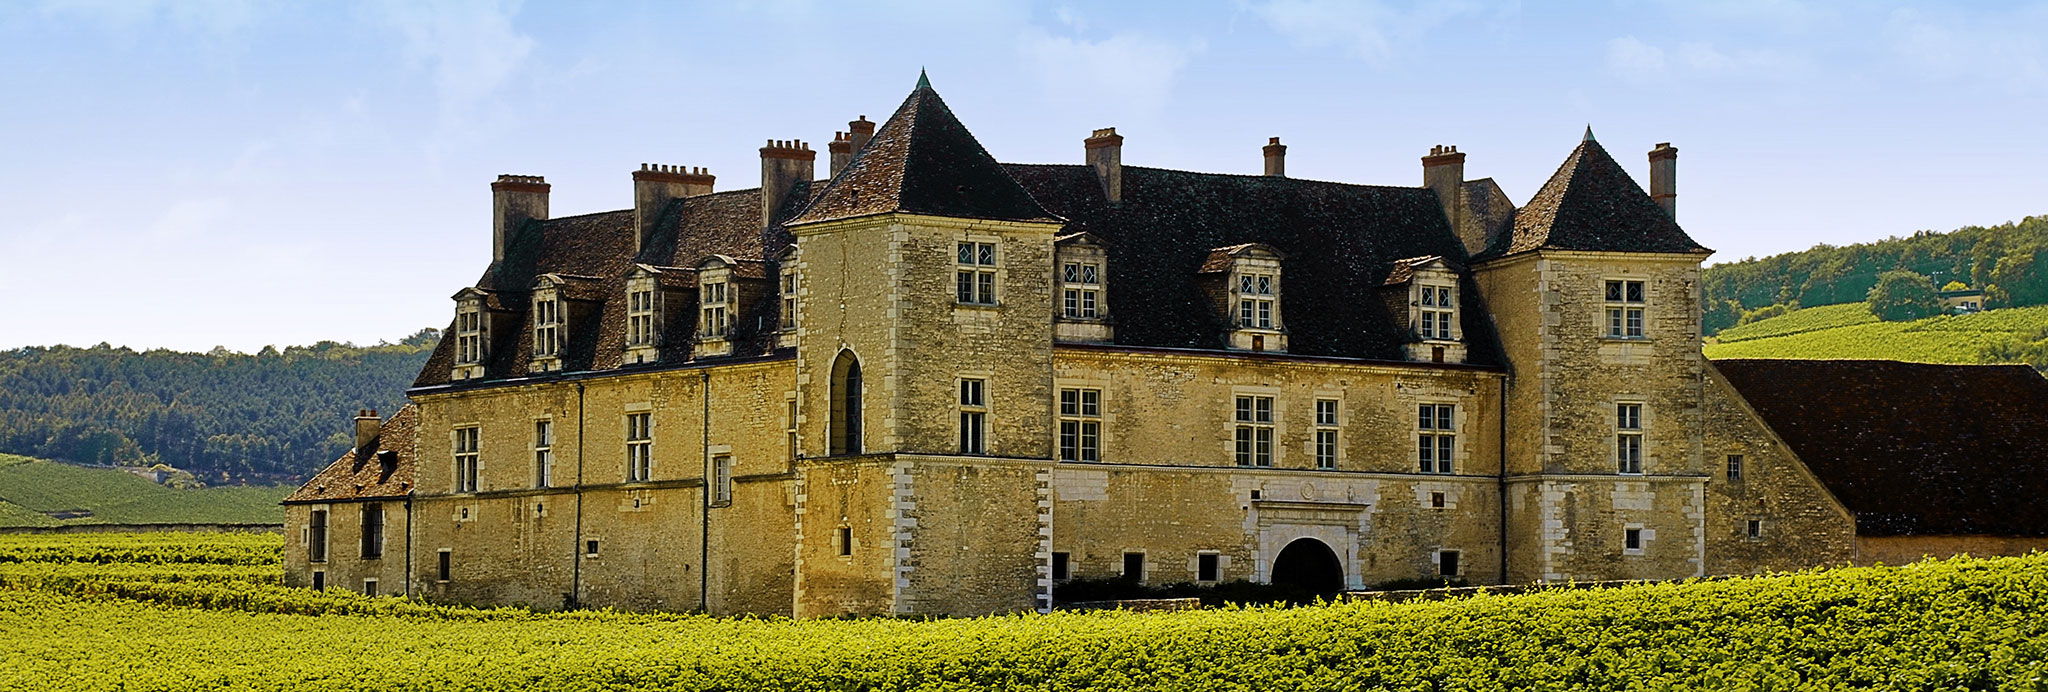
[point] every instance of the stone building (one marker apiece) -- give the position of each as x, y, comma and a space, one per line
932, 383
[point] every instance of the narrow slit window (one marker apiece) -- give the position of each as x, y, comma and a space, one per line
973, 416
639, 447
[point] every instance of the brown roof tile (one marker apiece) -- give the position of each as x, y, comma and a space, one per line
1913, 448
1590, 203
363, 473
923, 161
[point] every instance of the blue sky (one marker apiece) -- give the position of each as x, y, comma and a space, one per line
195, 173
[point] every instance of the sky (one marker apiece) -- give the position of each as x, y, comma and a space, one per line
197, 173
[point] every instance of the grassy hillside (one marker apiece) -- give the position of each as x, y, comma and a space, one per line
29, 488
1849, 331
215, 617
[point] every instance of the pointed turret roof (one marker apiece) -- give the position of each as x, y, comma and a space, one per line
1590, 203
923, 161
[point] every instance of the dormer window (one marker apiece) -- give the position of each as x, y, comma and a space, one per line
547, 326
1435, 310
713, 324
1080, 289
1251, 286
1256, 294
640, 313
1428, 287
1080, 279
470, 335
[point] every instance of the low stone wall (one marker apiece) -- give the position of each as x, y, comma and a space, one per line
146, 528
1463, 591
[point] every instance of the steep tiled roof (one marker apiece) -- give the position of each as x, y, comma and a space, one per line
1911, 448
1341, 242
601, 245
362, 474
1404, 269
923, 161
1590, 203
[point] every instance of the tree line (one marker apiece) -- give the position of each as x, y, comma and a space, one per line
276, 415
2008, 261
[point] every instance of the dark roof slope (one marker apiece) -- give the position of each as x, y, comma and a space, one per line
1912, 448
601, 245
1590, 203
362, 474
923, 161
1341, 242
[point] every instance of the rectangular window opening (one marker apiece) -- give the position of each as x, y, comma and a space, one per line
1080, 424
590, 548
543, 453
845, 540
1134, 566
1208, 567
1734, 467
639, 447
444, 566
1436, 441
1059, 565
973, 416
1632, 539
373, 531
466, 456
1625, 300
976, 277
1326, 434
721, 476
1755, 528
1447, 563
1628, 438
1254, 439
316, 536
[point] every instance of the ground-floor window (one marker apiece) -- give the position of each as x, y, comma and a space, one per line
1208, 567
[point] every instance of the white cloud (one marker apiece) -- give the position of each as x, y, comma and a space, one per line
1634, 60
472, 49
2005, 50
1371, 30
1132, 70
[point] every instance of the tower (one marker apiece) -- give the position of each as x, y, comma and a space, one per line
1595, 292
925, 371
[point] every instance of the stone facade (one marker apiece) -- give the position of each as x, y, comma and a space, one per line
923, 436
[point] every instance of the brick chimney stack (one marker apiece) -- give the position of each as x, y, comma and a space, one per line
367, 426
859, 132
785, 163
841, 150
1664, 177
1276, 158
654, 186
1106, 155
1443, 172
515, 199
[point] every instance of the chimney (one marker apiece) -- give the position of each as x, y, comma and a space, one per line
1443, 172
1106, 154
841, 149
367, 426
654, 186
1664, 177
859, 132
515, 199
1276, 158
784, 164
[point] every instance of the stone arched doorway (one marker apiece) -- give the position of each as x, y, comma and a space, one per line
1309, 564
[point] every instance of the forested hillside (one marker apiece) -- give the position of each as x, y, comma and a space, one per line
2010, 261
271, 416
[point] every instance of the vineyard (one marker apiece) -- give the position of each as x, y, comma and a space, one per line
193, 612
32, 491
1849, 331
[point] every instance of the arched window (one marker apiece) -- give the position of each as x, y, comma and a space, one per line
846, 408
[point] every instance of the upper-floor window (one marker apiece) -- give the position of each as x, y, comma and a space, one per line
1436, 311
316, 536
639, 447
975, 275
1625, 309
1254, 418
469, 332
1326, 434
721, 480
547, 326
1628, 438
1080, 290
1080, 424
1255, 296
466, 447
788, 298
1437, 439
973, 416
543, 452
711, 299
640, 314
1734, 468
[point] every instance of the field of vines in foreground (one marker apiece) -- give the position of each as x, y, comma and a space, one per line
204, 618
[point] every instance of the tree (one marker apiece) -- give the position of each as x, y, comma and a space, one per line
2017, 279
1902, 295
1955, 286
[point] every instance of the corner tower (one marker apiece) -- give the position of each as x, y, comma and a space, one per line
924, 371
1595, 294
